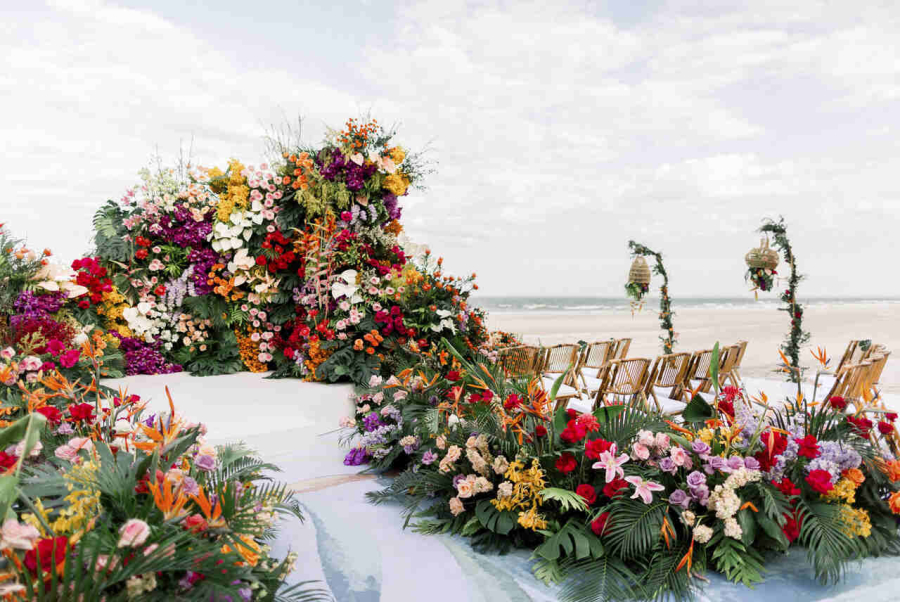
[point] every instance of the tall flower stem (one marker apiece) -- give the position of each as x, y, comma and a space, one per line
796, 335
665, 303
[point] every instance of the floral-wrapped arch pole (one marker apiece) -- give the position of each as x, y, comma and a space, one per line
796, 335
665, 303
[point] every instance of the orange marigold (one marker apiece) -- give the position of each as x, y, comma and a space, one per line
894, 502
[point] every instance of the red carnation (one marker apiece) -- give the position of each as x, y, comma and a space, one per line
587, 492
787, 487
809, 447
141, 253
615, 487
52, 414
891, 416
885, 428
81, 411
566, 463
453, 376
593, 449
7, 460
820, 481
791, 527
50, 551
572, 414
160, 290
838, 403
540, 430
600, 524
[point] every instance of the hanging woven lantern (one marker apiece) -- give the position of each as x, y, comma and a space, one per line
640, 271
762, 257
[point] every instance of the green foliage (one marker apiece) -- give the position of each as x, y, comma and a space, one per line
635, 528
665, 302
698, 410
567, 500
736, 561
573, 540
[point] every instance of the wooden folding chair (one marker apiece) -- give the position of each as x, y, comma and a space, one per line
729, 360
698, 372
624, 381
561, 360
847, 358
520, 361
593, 358
666, 381
620, 352
736, 370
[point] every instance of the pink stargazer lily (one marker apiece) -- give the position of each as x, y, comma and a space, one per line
611, 463
643, 488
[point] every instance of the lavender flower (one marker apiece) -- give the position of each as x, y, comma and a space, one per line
429, 457
701, 448
679, 498
696, 478
356, 456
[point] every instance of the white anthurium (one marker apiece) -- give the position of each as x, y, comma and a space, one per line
347, 288
82, 336
446, 321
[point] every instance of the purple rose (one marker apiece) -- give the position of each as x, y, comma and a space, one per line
190, 486
715, 463
700, 494
735, 463
696, 478
700, 447
679, 498
751, 463
668, 465
205, 463
429, 457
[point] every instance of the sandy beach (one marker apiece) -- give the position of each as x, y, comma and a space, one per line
831, 328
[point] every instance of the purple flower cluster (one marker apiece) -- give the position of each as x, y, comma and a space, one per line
392, 206
372, 422
835, 458
335, 166
356, 456
203, 260
33, 305
144, 358
181, 229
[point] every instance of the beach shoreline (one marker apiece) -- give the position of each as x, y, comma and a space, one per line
831, 327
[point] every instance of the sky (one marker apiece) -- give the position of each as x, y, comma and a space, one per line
556, 131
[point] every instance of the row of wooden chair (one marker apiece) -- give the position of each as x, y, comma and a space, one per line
858, 373
601, 371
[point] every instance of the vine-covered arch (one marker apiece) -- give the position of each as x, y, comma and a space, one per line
665, 302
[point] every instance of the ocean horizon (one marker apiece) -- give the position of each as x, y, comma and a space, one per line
600, 305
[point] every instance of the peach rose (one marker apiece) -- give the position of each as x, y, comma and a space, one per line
133, 533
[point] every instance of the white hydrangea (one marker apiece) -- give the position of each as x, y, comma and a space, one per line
733, 529
702, 533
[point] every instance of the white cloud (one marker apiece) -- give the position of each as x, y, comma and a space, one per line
557, 132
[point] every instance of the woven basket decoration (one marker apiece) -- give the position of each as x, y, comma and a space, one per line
640, 271
762, 256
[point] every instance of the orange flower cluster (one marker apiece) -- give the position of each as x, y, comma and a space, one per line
302, 164
891, 468
222, 286
356, 135
394, 228
249, 351
317, 356
373, 338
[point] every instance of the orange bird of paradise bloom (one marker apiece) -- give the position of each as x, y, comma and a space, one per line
213, 515
167, 433
171, 505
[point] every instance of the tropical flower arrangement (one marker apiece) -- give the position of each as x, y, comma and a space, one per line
299, 266
101, 500
636, 291
624, 503
762, 279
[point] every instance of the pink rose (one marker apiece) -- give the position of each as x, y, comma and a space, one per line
640, 451
662, 441
64, 452
133, 533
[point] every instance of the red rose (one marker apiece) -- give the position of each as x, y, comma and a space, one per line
540, 430
160, 290
891, 416
69, 358
820, 481
512, 402
289, 353
7, 460
194, 523
487, 396
574, 432
885, 428
453, 376
587, 492
615, 487
51, 552
600, 524
838, 403
572, 414
809, 447
593, 449
261, 260
81, 411
50, 413
566, 463
84, 304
